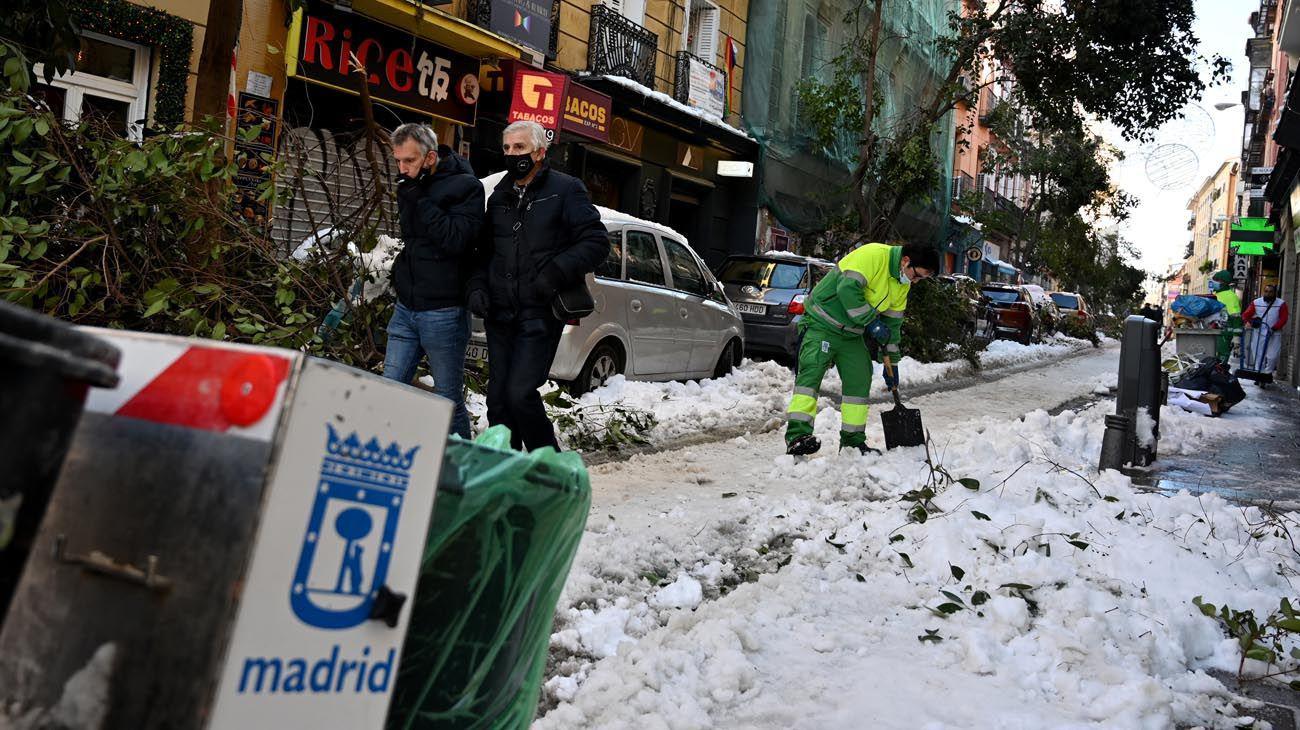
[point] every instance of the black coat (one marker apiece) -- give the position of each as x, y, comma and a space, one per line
537, 245
440, 221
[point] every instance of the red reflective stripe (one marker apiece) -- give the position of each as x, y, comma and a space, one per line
211, 389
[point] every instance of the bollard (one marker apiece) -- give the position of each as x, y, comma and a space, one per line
1142, 391
1114, 443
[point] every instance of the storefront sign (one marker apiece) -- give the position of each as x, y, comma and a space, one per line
537, 97
626, 135
735, 168
587, 112
1240, 267
327, 44
708, 89
527, 22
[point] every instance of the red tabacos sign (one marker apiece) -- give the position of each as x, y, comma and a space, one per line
329, 45
537, 97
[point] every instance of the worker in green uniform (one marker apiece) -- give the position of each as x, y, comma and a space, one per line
861, 300
1221, 285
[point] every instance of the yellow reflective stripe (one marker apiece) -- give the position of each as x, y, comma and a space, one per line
802, 405
855, 275
853, 414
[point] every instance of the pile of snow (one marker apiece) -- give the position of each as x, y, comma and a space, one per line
1049, 596
755, 392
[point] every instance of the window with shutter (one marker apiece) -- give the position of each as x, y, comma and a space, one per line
702, 31
633, 10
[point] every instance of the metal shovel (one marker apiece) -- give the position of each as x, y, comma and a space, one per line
902, 425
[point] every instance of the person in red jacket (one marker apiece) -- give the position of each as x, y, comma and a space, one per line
1265, 318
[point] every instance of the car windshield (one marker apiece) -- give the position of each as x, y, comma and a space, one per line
1002, 295
1066, 301
767, 274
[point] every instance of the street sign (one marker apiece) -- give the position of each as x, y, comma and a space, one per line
1240, 267
974, 253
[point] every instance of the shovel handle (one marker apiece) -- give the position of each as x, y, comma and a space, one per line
889, 370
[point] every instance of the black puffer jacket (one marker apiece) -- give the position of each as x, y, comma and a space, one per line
440, 222
537, 245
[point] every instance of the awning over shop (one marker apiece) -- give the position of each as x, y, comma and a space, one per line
439, 27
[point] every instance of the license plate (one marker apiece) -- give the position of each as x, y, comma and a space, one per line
475, 353
759, 309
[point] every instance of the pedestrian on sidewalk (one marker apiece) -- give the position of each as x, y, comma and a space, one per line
1265, 317
542, 237
861, 301
1221, 286
440, 214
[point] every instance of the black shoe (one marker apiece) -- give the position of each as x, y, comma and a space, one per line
803, 446
864, 449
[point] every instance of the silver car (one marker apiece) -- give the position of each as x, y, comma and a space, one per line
660, 314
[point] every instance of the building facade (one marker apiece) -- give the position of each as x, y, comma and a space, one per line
1212, 207
642, 97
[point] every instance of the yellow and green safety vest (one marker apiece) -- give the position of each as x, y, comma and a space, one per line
864, 284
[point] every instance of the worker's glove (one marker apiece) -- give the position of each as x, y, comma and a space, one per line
1256, 322
878, 331
891, 381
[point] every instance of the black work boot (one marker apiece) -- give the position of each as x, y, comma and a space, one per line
803, 445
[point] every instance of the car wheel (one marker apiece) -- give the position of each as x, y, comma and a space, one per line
1027, 337
604, 362
726, 361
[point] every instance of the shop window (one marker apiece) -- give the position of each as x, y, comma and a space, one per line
701, 37
686, 273
643, 262
111, 83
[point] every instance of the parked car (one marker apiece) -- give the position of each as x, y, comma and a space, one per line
1014, 314
660, 314
1072, 304
975, 317
768, 290
1045, 310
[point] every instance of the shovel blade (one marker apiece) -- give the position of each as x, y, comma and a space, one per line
902, 427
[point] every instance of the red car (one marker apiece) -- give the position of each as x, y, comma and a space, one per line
1012, 312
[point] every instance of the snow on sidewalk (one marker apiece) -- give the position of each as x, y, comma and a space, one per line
1051, 596
756, 391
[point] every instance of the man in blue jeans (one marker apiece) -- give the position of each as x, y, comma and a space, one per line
440, 212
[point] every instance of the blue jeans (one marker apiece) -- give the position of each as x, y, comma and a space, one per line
443, 335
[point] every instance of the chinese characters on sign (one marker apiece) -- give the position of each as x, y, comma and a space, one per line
326, 45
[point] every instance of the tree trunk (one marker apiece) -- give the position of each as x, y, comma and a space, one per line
219, 39
860, 202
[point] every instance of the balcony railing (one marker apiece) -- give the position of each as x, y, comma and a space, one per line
989, 103
620, 47
480, 14
682, 76
961, 185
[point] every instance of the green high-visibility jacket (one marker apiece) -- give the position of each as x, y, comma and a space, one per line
864, 285
1231, 302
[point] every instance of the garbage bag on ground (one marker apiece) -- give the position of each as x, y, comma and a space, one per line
505, 528
1190, 305
1211, 376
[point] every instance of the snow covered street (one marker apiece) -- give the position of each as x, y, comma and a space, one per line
727, 585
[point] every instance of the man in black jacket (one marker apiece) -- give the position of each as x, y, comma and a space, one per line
542, 236
440, 211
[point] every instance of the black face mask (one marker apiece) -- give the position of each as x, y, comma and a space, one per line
518, 166
1269, 298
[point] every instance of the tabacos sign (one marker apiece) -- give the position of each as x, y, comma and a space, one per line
326, 46
587, 112
537, 97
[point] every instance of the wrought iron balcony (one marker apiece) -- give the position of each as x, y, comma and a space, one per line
962, 184
990, 103
682, 76
620, 47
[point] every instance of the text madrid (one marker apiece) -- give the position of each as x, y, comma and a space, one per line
329, 675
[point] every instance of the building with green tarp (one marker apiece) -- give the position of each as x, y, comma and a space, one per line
803, 187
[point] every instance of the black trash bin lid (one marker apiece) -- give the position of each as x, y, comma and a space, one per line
34, 340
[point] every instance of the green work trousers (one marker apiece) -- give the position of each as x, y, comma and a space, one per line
822, 348
1229, 332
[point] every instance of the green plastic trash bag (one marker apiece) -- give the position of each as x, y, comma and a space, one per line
505, 528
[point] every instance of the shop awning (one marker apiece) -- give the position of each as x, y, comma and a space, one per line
441, 28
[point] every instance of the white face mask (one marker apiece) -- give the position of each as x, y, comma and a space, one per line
902, 276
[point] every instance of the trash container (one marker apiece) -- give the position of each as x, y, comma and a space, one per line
505, 528
46, 368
